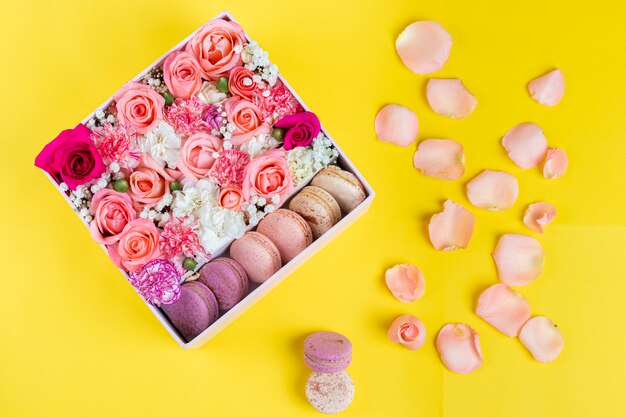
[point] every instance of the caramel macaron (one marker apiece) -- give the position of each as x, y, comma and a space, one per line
318, 208
258, 256
344, 186
288, 230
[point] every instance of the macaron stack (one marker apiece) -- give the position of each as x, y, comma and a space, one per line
329, 389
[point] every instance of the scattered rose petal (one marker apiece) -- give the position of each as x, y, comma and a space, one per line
493, 190
409, 331
450, 98
542, 338
396, 124
440, 158
424, 46
452, 228
459, 348
526, 144
556, 163
406, 282
548, 89
519, 259
503, 308
539, 215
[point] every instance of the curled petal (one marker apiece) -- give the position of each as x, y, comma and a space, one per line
396, 124
424, 46
556, 163
526, 144
409, 331
452, 228
493, 190
459, 348
503, 308
542, 338
440, 158
539, 215
450, 98
548, 89
406, 282
519, 259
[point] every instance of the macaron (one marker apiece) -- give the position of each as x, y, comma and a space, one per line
327, 352
318, 208
288, 230
330, 393
257, 255
227, 279
194, 311
344, 186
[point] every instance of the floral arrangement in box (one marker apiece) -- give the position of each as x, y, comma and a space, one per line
184, 159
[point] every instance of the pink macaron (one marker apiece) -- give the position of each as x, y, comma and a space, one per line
288, 230
318, 208
227, 279
257, 254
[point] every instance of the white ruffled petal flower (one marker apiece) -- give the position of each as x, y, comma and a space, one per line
162, 144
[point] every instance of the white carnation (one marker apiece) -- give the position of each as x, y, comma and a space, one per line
193, 197
162, 144
218, 226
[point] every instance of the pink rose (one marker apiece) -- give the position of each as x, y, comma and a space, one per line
139, 106
301, 129
112, 212
240, 83
214, 46
138, 245
182, 74
409, 331
148, 183
71, 158
246, 118
196, 155
267, 176
230, 197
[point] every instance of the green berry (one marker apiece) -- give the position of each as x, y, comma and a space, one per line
189, 264
120, 185
222, 84
278, 134
169, 99
175, 186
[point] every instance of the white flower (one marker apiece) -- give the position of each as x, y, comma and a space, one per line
194, 197
259, 145
219, 226
162, 144
63, 186
301, 161
209, 94
275, 199
114, 167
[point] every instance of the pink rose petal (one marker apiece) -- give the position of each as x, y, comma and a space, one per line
548, 89
450, 98
556, 163
459, 348
406, 282
396, 124
519, 259
542, 338
452, 228
409, 331
503, 308
526, 144
539, 215
424, 46
440, 158
493, 190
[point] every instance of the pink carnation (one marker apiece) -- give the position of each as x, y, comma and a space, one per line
117, 144
188, 116
158, 282
280, 103
230, 167
178, 239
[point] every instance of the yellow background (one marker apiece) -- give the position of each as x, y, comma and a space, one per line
77, 341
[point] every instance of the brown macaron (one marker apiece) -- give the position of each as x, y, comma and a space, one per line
318, 208
344, 186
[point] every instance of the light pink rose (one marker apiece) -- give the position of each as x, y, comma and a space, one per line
230, 197
138, 245
112, 212
240, 83
268, 175
196, 155
409, 331
214, 46
182, 74
247, 119
139, 106
148, 183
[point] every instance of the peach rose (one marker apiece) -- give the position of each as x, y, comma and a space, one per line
112, 212
409, 331
214, 47
240, 83
267, 176
196, 155
182, 74
138, 245
148, 183
230, 197
247, 119
139, 106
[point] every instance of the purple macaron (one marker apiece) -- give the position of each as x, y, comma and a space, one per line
327, 352
227, 279
194, 311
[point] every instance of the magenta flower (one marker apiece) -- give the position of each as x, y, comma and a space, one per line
301, 129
